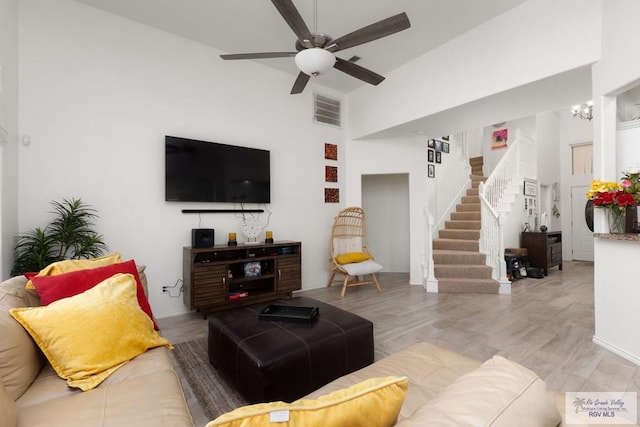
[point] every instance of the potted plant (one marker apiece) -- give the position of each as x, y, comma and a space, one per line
69, 235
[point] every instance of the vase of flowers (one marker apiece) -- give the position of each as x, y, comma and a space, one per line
616, 197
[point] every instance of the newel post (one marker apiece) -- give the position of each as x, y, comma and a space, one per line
505, 284
429, 279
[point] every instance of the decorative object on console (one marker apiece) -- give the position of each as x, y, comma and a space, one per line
268, 236
251, 228
232, 240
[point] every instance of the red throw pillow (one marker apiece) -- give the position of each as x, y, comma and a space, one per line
53, 288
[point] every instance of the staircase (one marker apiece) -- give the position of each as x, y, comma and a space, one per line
458, 264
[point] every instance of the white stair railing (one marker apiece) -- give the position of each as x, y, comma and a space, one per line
495, 196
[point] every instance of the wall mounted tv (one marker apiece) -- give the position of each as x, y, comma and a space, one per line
200, 171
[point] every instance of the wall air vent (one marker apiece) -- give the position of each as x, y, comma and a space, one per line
326, 110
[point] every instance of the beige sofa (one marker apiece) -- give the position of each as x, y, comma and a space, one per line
143, 392
449, 389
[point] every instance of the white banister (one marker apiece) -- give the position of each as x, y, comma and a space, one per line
495, 199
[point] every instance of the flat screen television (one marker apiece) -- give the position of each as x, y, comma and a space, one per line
200, 171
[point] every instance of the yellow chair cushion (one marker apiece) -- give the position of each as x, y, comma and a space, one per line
372, 403
351, 257
68, 265
88, 336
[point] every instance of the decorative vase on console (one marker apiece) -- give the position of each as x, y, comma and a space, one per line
251, 229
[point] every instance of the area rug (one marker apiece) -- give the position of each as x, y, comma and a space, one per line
214, 395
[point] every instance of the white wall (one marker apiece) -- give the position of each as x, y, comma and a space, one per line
98, 93
405, 156
549, 164
617, 71
8, 122
538, 39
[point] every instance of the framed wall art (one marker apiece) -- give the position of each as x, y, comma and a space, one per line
330, 151
331, 174
431, 171
445, 147
438, 156
332, 195
530, 187
499, 139
430, 156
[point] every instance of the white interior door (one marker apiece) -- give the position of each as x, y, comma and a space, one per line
582, 236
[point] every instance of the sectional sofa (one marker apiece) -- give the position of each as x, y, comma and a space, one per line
144, 391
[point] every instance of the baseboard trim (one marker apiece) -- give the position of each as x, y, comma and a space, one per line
617, 350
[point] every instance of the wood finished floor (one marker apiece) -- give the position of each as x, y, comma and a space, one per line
546, 325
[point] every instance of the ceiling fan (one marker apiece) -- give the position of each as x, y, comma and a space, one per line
315, 51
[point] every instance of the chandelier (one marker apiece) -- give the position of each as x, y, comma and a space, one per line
584, 111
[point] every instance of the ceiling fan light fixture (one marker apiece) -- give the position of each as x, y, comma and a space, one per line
315, 61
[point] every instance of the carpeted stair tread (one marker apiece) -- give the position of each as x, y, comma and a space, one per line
462, 225
456, 245
459, 285
469, 207
448, 256
470, 199
466, 216
468, 271
459, 234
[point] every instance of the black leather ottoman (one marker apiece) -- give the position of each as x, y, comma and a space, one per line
275, 360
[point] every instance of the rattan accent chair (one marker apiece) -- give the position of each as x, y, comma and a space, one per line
349, 251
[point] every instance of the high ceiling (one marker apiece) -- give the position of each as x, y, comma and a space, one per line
242, 26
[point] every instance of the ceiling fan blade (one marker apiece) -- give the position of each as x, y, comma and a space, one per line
258, 55
293, 18
371, 32
300, 83
358, 72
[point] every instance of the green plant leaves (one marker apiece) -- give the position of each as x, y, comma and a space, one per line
69, 235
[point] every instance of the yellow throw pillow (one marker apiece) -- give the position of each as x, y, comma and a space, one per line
351, 257
68, 265
88, 336
371, 403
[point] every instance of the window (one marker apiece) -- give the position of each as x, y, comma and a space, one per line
582, 159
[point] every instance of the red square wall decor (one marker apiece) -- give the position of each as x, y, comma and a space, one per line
331, 173
330, 151
332, 195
